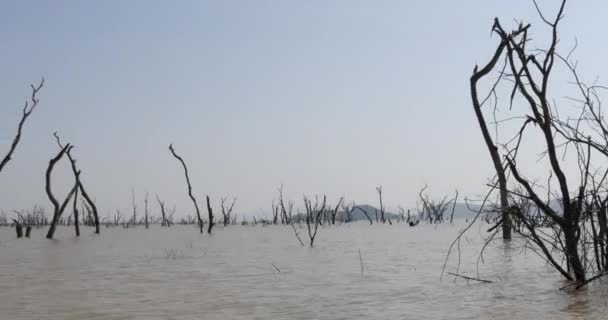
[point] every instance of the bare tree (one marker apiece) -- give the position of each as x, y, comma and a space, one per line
275, 213
454, 209
117, 217
334, 212
402, 214
286, 210
528, 71
365, 213
347, 210
134, 218
433, 210
210, 212
313, 216
535, 92
198, 213
76, 226
146, 211
28, 108
58, 209
493, 150
91, 207
161, 204
227, 210
379, 189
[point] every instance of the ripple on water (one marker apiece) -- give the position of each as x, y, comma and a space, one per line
177, 273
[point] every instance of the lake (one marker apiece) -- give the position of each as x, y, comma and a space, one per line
177, 273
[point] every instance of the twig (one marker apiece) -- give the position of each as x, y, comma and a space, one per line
275, 267
297, 235
590, 280
469, 278
445, 262
361, 260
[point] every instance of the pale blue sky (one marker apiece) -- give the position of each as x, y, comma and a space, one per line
331, 97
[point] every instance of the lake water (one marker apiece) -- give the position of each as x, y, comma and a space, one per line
177, 273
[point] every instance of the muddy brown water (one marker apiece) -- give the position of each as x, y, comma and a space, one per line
177, 273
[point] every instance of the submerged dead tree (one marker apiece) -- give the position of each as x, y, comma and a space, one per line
210, 212
365, 213
165, 222
434, 210
90, 204
527, 72
334, 211
499, 167
227, 210
198, 212
57, 208
134, 205
146, 221
28, 108
379, 189
347, 211
75, 209
286, 209
313, 216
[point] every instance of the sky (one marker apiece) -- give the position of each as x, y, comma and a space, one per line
324, 97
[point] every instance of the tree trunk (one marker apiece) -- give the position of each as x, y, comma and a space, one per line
571, 252
500, 169
76, 226
198, 213
19, 230
210, 216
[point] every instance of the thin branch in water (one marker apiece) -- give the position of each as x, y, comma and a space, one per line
361, 261
296, 233
275, 267
469, 278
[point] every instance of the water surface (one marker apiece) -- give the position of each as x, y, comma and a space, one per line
177, 273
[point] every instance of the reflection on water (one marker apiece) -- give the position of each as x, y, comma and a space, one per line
177, 273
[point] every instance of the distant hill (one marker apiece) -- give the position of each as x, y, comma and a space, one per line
461, 210
371, 211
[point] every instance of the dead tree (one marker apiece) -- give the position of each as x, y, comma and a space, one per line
313, 216
492, 148
528, 71
75, 209
347, 210
286, 210
90, 204
147, 224
161, 204
275, 213
402, 214
379, 189
433, 210
366, 214
454, 209
227, 210
28, 108
117, 217
18, 228
198, 213
210, 212
134, 218
334, 212
535, 92
58, 209
170, 217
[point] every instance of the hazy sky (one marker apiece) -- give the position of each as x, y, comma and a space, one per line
331, 97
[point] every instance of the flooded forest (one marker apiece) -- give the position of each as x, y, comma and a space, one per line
534, 245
